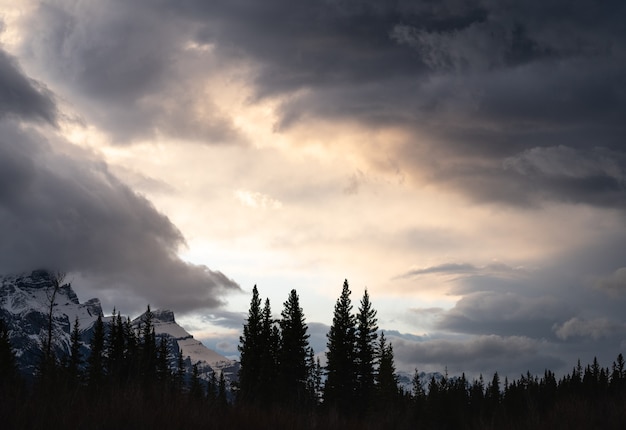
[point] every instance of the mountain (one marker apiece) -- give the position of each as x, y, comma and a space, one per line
405, 380
28, 301
25, 304
195, 352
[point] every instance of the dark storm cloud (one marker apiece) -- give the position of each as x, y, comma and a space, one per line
506, 314
61, 208
21, 97
125, 67
482, 354
482, 82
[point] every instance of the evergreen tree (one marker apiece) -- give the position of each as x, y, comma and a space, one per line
212, 389
115, 347
75, 359
618, 374
163, 360
386, 378
148, 347
314, 378
8, 364
417, 387
419, 396
492, 394
365, 351
222, 400
196, 390
293, 352
95, 362
340, 387
269, 390
251, 348
179, 375
130, 364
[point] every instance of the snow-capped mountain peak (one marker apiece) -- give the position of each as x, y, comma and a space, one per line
27, 300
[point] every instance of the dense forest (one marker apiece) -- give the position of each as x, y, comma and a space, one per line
130, 379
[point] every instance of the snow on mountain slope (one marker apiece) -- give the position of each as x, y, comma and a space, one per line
25, 305
208, 360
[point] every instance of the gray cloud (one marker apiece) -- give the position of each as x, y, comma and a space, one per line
594, 329
489, 86
615, 283
483, 84
127, 68
505, 313
61, 208
22, 97
464, 269
482, 354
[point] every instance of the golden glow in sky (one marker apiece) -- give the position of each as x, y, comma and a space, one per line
475, 185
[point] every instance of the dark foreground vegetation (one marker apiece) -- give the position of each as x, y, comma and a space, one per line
130, 380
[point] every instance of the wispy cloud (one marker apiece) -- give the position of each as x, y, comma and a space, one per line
464, 269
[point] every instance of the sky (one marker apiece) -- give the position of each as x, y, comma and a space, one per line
465, 161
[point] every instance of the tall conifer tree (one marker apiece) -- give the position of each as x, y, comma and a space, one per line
163, 361
115, 346
95, 362
268, 361
148, 347
76, 359
386, 378
251, 349
366, 351
340, 387
8, 361
293, 352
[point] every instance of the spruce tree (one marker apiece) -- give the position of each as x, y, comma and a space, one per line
492, 393
314, 378
179, 375
95, 362
250, 347
340, 387
222, 400
8, 363
268, 389
293, 352
130, 364
75, 359
386, 378
115, 347
163, 360
212, 389
148, 347
196, 390
365, 351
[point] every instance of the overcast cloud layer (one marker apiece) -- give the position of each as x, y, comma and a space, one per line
464, 160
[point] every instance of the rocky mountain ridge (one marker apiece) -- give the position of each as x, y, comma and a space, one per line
27, 301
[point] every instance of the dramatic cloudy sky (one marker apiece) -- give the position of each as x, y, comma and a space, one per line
463, 160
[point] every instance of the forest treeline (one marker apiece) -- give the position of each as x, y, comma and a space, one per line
131, 378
